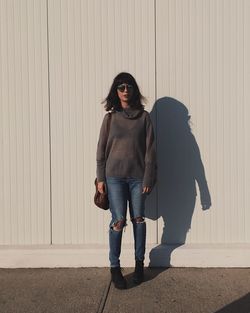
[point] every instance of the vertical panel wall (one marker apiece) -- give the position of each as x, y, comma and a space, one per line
202, 63
89, 43
24, 123
57, 61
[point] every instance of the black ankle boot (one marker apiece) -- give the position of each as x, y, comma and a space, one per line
117, 278
138, 275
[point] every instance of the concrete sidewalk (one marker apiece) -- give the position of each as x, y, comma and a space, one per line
172, 290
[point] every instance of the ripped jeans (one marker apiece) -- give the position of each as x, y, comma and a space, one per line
121, 191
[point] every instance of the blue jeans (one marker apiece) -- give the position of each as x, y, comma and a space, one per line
121, 191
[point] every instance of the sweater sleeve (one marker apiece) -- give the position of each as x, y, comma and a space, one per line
101, 150
150, 173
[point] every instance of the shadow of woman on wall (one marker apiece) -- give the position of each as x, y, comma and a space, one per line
179, 168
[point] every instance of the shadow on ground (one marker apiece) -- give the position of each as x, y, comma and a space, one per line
150, 273
241, 305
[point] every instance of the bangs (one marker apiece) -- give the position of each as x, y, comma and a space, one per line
125, 78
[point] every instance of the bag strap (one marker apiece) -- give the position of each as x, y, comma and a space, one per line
109, 122
108, 126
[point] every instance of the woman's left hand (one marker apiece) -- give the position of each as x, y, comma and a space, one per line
146, 190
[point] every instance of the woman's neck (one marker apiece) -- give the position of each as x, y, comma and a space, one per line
125, 105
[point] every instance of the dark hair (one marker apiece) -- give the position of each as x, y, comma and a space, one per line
112, 101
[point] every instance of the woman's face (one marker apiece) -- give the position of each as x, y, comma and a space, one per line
125, 92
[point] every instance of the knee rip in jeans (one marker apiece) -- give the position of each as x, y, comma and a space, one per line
118, 226
138, 220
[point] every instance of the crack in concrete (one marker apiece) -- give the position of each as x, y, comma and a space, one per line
104, 298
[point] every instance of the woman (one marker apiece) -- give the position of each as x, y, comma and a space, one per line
126, 166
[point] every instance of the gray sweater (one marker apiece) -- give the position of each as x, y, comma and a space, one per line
130, 148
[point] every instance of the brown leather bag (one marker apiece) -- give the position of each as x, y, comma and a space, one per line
101, 199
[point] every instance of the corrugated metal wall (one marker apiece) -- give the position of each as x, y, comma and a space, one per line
24, 124
89, 43
57, 62
202, 62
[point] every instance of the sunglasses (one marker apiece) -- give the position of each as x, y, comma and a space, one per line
122, 87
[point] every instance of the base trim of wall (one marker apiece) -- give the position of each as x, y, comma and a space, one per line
188, 255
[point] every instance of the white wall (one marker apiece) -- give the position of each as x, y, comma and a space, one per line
57, 62
24, 125
89, 43
202, 61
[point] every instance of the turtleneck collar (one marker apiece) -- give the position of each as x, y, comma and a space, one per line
130, 113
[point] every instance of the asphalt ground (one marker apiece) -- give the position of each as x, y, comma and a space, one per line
168, 290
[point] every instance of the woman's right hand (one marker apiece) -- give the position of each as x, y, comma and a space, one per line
101, 187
